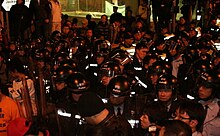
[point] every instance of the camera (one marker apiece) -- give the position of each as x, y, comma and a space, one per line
152, 128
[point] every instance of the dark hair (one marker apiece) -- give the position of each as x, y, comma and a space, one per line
88, 17
74, 21
36, 127
16, 65
140, 45
105, 16
129, 10
177, 128
195, 111
148, 58
155, 115
65, 25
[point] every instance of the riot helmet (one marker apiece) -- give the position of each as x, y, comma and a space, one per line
209, 80
110, 69
160, 67
201, 66
77, 42
103, 46
55, 36
167, 82
62, 73
119, 86
122, 56
77, 83
69, 62
58, 58
61, 46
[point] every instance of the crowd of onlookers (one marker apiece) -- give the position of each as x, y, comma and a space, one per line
113, 77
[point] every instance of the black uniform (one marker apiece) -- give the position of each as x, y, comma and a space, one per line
110, 126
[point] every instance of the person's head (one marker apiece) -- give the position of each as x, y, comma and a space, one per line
175, 128
192, 32
20, 1
100, 58
141, 51
192, 113
92, 108
12, 46
55, 36
58, 58
128, 40
84, 23
119, 88
89, 33
139, 25
149, 61
61, 75
115, 9
122, 57
208, 85
160, 45
151, 116
77, 84
128, 13
66, 29
104, 18
157, 69
107, 71
182, 21
166, 87
88, 17
16, 68
76, 44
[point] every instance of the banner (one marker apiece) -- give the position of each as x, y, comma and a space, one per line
109, 9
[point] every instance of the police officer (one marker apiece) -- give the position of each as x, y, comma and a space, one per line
208, 86
119, 88
69, 121
78, 53
107, 71
99, 120
92, 70
137, 68
58, 58
59, 94
168, 99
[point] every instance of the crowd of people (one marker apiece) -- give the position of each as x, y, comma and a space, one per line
114, 77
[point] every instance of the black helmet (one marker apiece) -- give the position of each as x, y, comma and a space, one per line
119, 86
55, 36
103, 46
209, 79
62, 45
60, 57
77, 83
42, 54
122, 56
77, 42
69, 62
62, 73
201, 66
167, 81
110, 69
160, 68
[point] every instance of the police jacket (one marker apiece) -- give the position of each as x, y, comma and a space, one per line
110, 126
68, 120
